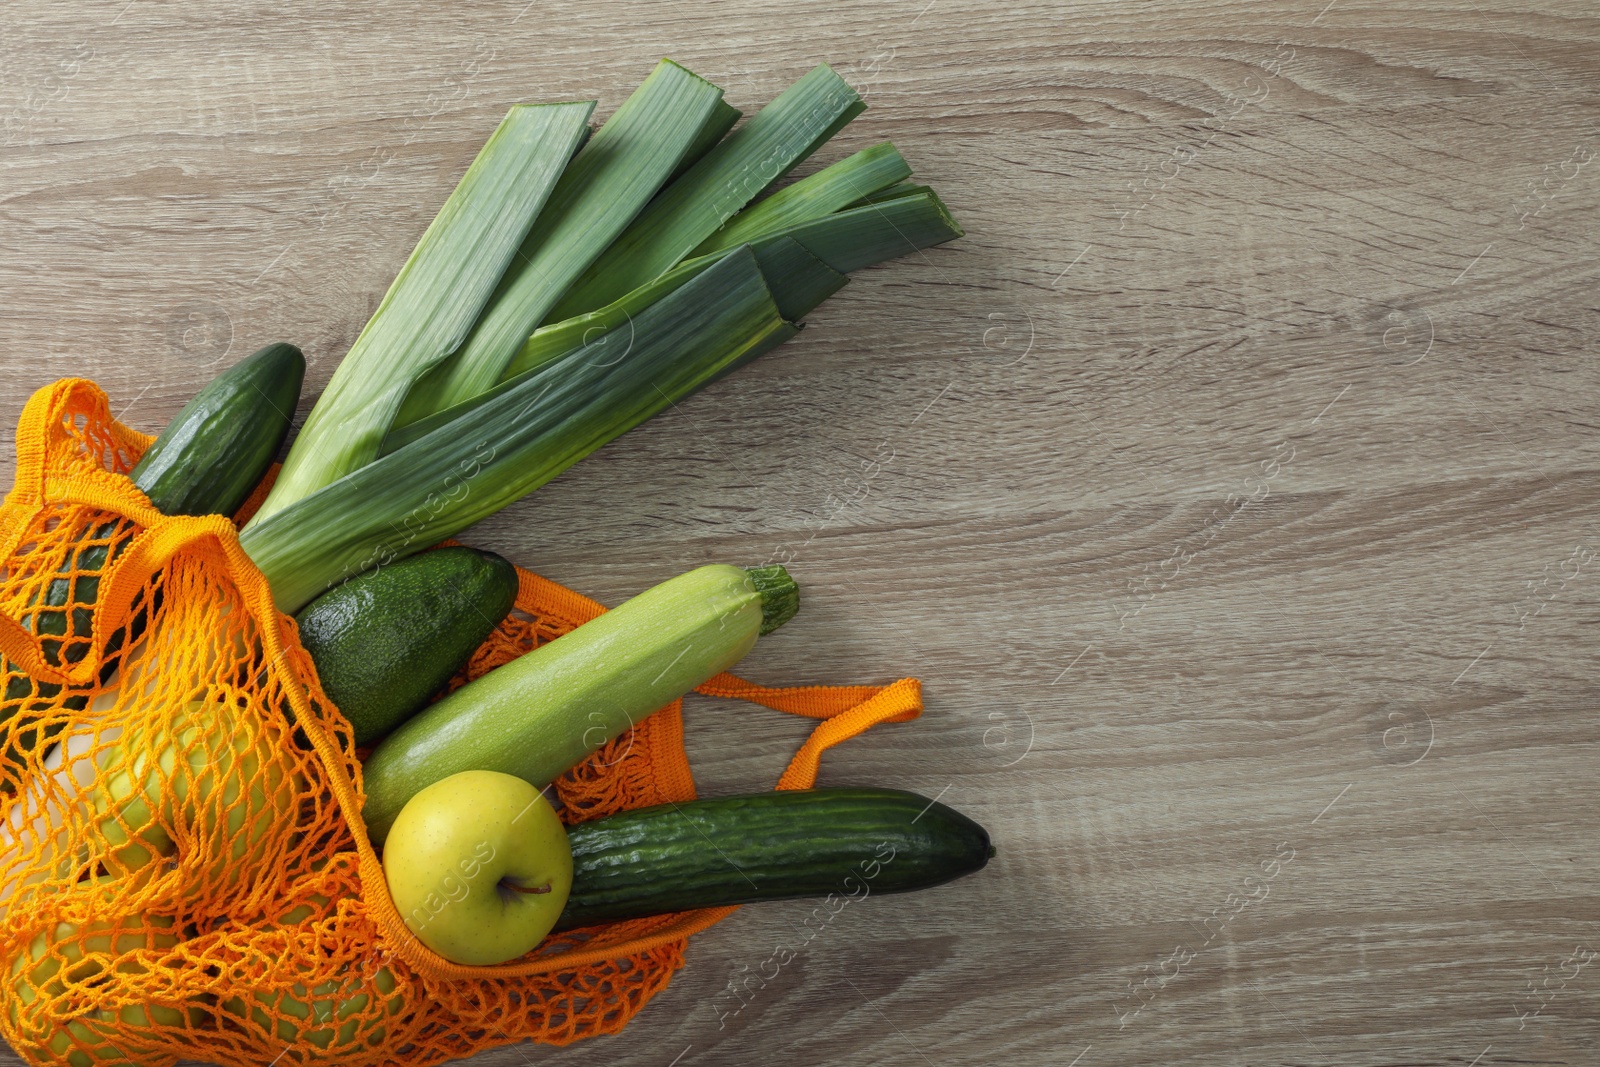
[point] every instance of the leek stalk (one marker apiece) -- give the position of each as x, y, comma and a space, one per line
603, 189
640, 328
438, 485
797, 280
436, 297
803, 266
784, 133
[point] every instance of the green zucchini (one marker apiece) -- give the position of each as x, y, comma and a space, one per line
845, 842
207, 461
544, 712
389, 639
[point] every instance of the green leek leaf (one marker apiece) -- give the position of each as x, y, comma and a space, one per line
468, 469
894, 192
729, 176
797, 280
823, 193
436, 297
850, 240
723, 117
611, 179
803, 267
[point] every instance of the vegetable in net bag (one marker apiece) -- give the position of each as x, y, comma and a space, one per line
185, 874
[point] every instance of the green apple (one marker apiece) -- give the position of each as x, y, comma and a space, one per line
87, 1041
128, 1037
332, 1015
479, 866
224, 782
344, 1014
57, 962
67, 957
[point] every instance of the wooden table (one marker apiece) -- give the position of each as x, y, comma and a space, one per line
1230, 485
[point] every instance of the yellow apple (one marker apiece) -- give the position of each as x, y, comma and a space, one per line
479, 867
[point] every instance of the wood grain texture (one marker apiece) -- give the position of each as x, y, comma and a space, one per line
1231, 485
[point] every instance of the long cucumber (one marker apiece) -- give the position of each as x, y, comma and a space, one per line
213, 455
544, 712
847, 842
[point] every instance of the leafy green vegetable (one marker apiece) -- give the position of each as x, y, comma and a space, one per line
825, 192
470, 468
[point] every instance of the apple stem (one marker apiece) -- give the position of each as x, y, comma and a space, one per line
526, 889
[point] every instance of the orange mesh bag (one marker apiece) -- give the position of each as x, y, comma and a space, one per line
185, 871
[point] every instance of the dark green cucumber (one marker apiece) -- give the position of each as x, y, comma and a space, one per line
846, 842
388, 640
212, 456
207, 461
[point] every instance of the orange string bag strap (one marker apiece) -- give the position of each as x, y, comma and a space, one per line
846, 710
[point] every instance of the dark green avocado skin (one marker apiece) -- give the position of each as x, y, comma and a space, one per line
388, 640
